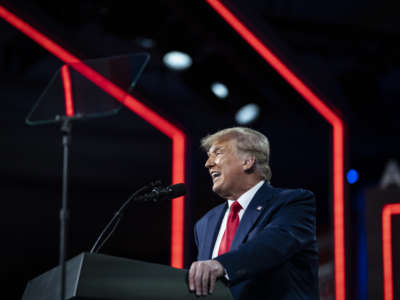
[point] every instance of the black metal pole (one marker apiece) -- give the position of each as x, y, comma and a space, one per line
64, 213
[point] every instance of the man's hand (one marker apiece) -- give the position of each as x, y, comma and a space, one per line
203, 275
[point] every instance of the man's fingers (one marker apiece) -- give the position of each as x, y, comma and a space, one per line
203, 275
192, 272
213, 279
197, 282
204, 281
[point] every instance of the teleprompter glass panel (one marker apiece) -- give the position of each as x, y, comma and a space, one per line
73, 95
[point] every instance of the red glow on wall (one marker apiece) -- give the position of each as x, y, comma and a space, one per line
177, 136
338, 138
66, 79
387, 212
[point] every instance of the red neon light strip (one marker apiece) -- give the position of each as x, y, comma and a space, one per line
177, 136
338, 137
387, 256
66, 79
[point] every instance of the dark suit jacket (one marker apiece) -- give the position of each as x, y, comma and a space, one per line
274, 254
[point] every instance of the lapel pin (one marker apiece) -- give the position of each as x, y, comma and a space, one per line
259, 207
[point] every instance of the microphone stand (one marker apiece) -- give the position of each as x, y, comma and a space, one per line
118, 215
64, 213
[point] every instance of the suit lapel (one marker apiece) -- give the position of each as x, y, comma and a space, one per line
258, 205
213, 225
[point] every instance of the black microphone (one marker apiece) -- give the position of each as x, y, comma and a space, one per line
157, 194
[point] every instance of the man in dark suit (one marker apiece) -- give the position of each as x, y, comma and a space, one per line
262, 239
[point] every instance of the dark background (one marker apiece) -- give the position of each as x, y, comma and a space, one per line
347, 52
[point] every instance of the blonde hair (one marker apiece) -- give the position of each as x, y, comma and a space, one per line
248, 141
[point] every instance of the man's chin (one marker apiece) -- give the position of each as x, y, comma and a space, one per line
216, 188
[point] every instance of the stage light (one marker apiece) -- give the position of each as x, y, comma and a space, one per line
352, 176
220, 90
177, 60
247, 113
146, 43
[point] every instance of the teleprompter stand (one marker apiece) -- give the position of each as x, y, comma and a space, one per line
70, 97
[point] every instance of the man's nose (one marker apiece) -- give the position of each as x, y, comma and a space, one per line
209, 163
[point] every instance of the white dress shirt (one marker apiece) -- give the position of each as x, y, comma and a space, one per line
244, 201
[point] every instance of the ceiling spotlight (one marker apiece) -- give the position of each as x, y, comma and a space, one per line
146, 43
247, 113
220, 90
177, 60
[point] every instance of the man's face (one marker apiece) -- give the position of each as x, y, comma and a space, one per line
226, 169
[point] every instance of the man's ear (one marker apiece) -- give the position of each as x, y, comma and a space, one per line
249, 163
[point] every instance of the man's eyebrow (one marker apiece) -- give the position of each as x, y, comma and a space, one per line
215, 150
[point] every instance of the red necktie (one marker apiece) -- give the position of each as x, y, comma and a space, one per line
231, 227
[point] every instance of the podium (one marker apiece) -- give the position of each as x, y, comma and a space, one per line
98, 276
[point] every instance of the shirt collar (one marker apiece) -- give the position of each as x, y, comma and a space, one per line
245, 198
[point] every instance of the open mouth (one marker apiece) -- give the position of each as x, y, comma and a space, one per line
215, 175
